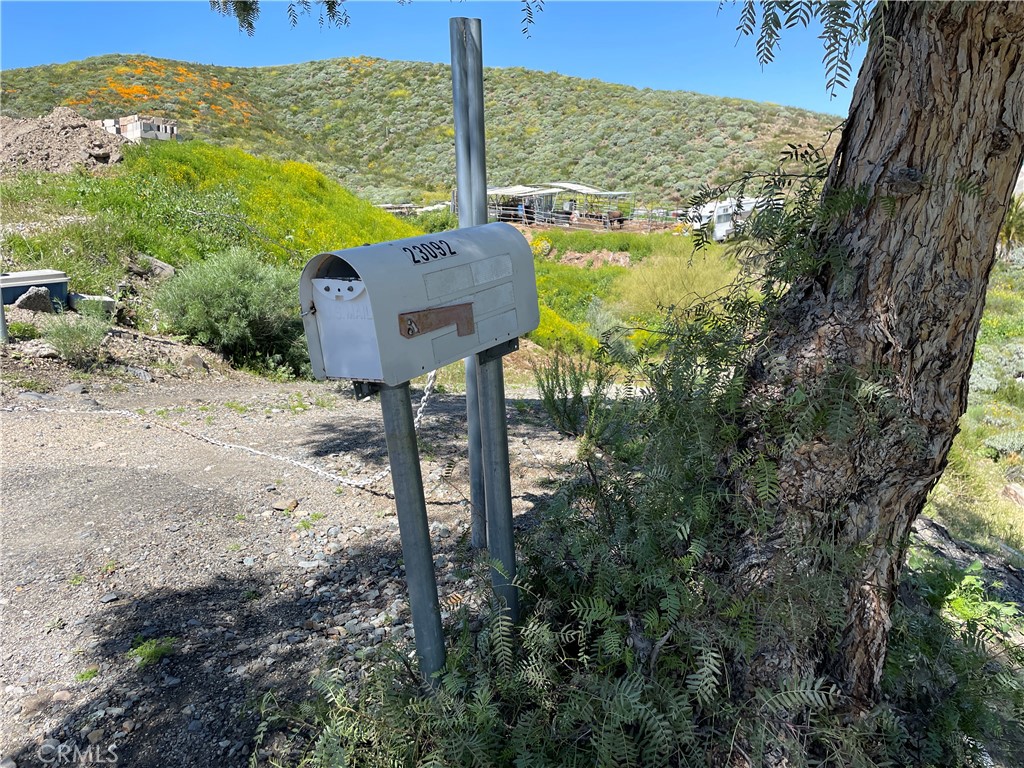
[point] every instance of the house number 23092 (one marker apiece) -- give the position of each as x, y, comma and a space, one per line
423, 253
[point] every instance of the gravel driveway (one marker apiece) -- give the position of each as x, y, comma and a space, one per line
129, 521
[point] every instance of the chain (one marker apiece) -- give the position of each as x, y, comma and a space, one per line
428, 390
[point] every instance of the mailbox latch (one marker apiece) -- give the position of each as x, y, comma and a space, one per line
412, 324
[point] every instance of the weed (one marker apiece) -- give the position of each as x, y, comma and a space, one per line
19, 331
87, 674
78, 338
76, 580
236, 407
109, 567
240, 517
152, 651
234, 547
27, 384
307, 523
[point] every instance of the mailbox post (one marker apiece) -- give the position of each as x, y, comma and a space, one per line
471, 185
393, 311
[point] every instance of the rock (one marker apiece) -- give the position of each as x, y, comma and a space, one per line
1014, 493
39, 349
62, 697
309, 564
95, 736
286, 505
139, 373
78, 388
83, 302
147, 266
195, 362
170, 681
128, 726
35, 299
36, 702
37, 397
110, 597
8, 762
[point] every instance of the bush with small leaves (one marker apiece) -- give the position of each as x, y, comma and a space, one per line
78, 338
239, 306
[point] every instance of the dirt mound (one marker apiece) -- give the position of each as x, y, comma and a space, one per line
60, 142
595, 258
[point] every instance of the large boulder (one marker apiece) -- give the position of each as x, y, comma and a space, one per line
35, 299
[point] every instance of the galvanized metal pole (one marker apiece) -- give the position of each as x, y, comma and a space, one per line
471, 185
407, 481
3, 323
500, 540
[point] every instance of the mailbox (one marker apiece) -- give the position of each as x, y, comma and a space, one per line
393, 311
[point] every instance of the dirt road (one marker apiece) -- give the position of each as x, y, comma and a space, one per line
133, 517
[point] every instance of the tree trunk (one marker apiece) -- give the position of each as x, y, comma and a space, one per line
935, 137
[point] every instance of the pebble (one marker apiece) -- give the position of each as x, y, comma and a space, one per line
110, 597
309, 564
95, 736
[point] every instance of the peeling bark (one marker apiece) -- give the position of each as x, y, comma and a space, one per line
935, 136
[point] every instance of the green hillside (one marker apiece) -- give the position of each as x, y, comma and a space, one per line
384, 128
179, 202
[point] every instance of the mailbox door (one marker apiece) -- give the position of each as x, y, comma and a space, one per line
348, 336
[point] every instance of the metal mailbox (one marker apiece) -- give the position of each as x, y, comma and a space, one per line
393, 311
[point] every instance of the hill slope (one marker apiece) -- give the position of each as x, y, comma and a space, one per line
384, 128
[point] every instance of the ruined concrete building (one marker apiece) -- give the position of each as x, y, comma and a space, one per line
138, 127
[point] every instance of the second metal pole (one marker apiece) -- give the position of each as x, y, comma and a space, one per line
407, 480
500, 540
471, 198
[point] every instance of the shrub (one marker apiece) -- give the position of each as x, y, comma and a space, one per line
78, 338
245, 309
562, 381
639, 246
436, 221
673, 277
18, 331
1007, 443
555, 332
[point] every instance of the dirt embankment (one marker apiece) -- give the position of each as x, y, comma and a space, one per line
58, 142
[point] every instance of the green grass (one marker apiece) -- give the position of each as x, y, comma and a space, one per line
179, 202
152, 651
639, 246
674, 276
87, 674
18, 331
78, 338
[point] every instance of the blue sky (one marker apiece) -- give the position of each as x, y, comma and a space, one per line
688, 46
